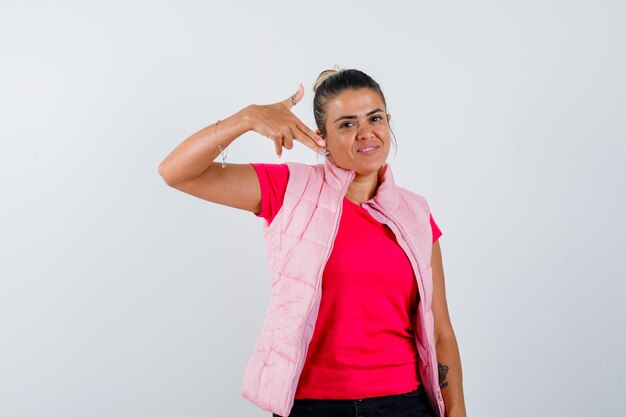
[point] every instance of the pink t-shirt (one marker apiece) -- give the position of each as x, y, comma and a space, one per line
363, 343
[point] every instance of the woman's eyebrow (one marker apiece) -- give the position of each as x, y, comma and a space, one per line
354, 117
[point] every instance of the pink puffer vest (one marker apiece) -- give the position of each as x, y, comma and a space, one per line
298, 243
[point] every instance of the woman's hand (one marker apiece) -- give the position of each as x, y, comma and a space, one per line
277, 122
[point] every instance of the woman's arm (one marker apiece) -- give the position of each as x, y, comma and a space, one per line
190, 167
448, 357
194, 155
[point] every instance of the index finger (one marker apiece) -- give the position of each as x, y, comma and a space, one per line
309, 138
311, 134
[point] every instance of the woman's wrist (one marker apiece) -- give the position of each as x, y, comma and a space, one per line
245, 117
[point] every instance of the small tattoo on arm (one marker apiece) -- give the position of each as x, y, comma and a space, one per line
443, 370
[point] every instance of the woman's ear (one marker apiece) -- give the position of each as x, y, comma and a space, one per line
388, 117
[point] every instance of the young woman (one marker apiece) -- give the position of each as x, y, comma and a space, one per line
358, 322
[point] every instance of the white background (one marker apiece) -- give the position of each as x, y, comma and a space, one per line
121, 296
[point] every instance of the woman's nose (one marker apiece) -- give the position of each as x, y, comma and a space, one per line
364, 131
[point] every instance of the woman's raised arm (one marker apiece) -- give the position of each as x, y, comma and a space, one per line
190, 167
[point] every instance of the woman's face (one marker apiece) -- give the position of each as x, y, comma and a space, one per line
357, 131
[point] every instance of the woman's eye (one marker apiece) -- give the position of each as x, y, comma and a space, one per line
374, 118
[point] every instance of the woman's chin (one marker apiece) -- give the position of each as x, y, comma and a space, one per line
368, 169
362, 167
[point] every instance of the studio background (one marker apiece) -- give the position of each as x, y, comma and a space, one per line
123, 297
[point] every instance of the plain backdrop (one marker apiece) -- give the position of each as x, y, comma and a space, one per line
123, 297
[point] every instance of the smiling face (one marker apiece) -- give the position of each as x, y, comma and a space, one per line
357, 131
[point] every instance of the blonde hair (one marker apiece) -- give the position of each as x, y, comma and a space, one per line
324, 75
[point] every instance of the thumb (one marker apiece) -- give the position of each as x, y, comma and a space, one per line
296, 97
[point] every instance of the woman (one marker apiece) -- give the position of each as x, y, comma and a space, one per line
379, 341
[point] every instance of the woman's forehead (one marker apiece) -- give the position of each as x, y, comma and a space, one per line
355, 102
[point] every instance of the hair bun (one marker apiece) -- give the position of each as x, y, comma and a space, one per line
324, 75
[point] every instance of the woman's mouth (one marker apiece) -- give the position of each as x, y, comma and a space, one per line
369, 150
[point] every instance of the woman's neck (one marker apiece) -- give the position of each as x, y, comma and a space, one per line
363, 187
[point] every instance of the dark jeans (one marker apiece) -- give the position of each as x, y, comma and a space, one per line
410, 404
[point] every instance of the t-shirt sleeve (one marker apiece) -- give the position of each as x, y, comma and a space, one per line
273, 179
436, 232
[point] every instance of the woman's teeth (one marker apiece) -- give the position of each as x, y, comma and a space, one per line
368, 149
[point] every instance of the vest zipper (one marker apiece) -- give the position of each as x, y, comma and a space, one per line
431, 347
294, 383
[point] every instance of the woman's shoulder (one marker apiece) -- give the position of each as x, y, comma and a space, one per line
303, 166
305, 172
286, 166
269, 166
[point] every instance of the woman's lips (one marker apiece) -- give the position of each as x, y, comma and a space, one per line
369, 150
